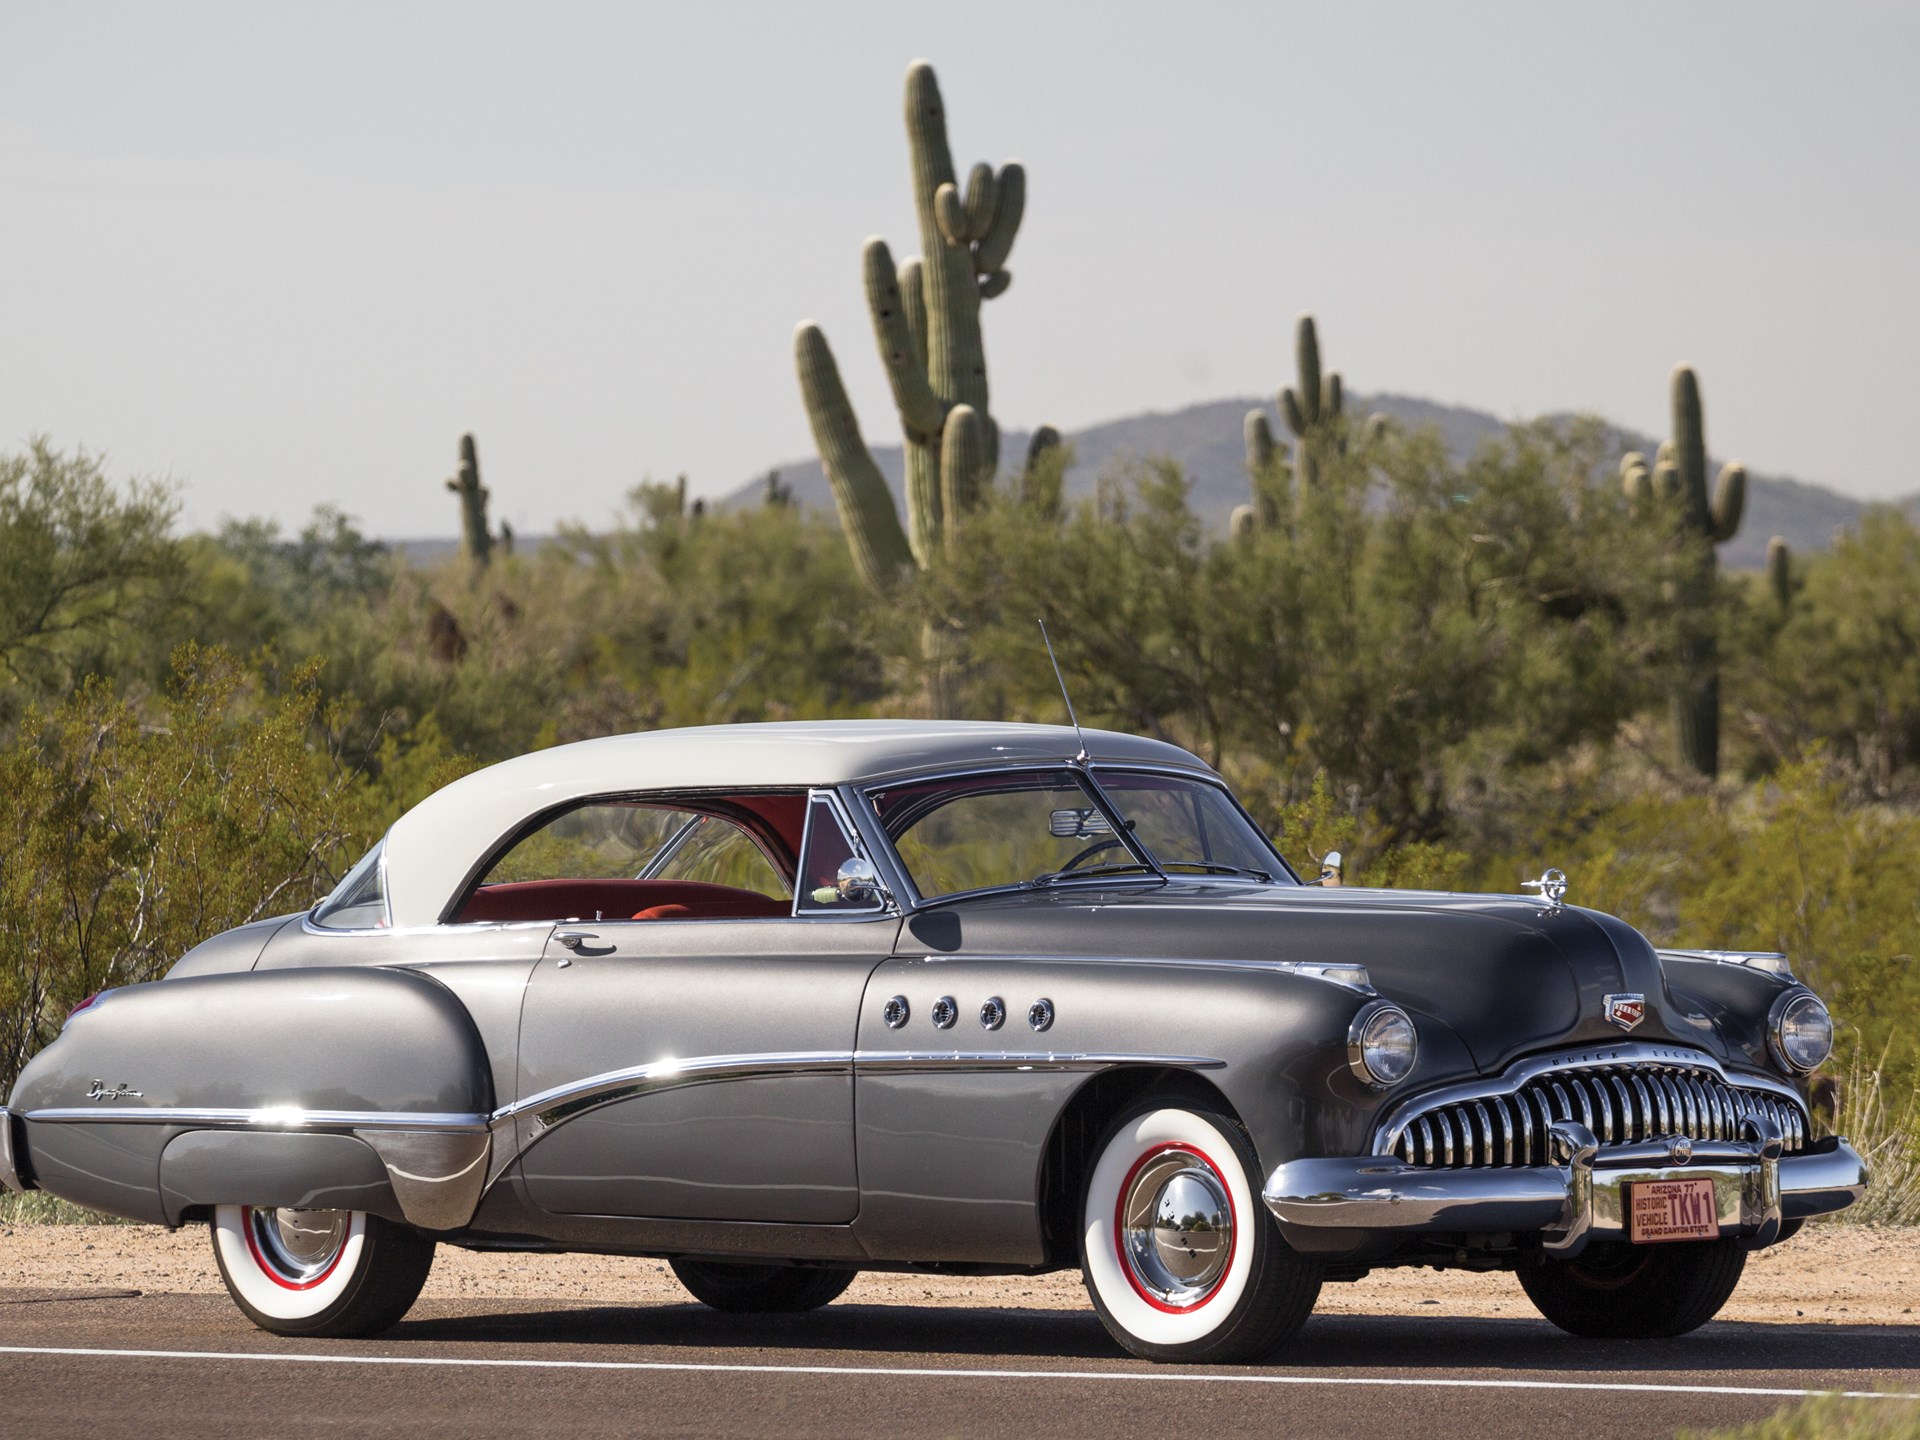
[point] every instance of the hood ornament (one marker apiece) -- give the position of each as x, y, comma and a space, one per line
1552, 887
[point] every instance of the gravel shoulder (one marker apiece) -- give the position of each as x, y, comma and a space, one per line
1833, 1274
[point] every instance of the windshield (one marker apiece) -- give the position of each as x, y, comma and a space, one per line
1043, 827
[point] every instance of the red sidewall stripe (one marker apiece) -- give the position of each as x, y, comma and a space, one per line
1119, 1228
266, 1268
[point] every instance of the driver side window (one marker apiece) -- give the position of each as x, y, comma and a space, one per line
633, 860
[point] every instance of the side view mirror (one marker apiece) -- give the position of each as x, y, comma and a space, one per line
1330, 870
859, 883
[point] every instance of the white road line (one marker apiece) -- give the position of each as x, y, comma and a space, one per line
1176, 1377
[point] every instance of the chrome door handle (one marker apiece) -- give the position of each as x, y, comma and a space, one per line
574, 939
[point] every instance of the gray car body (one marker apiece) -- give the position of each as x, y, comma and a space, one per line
733, 1087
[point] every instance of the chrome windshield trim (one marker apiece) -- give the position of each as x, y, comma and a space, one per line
1770, 962
1637, 1053
267, 1117
868, 821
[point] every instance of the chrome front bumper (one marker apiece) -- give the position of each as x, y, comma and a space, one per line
1583, 1198
9, 1169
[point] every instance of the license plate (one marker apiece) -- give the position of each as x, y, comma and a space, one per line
1660, 1210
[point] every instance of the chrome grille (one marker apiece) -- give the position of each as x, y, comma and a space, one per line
1621, 1104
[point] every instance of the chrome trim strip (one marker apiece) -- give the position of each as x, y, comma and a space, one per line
271, 1117
909, 1062
560, 1103
1348, 975
547, 1110
9, 1168
1516, 1076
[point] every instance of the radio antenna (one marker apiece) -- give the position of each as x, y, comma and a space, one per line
1072, 718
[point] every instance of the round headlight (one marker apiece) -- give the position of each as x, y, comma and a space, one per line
1381, 1045
1802, 1031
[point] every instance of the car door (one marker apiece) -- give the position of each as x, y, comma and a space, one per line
701, 1068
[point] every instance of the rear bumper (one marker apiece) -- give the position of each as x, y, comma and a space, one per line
9, 1168
1757, 1190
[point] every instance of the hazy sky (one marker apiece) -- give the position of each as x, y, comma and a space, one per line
286, 253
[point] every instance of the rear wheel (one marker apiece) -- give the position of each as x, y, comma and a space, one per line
319, 1272
1180, 1259
1636, 1292
761, 1289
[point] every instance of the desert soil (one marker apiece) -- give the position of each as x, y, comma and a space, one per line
1827, 1274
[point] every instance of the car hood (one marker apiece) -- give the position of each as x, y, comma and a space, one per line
1504, 972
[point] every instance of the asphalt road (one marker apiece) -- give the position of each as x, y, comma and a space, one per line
107, 1364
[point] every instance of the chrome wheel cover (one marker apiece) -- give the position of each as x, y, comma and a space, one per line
298, 1246
1176, 1227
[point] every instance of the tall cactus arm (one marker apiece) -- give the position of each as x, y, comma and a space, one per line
1043, 440
1296, 415
1009, 206
921, 412
1259, 441
950, 214
963, 465
1780, 572
1636, 479
1729, 501
981, 195
1333, 400
860, 492
913, 302
1306, 350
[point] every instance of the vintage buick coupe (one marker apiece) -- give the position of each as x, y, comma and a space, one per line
781, 1003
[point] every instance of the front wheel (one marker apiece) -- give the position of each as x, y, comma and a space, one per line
1180, 1260
761, 1289
327, 1273
1636, 1292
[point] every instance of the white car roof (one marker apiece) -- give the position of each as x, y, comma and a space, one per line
432, 850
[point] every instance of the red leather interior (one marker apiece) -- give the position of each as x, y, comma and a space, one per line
618, 900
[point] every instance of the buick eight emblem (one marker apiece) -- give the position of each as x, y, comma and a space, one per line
1626, 1011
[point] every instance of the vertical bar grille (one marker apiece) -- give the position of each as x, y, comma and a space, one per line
1620, 1104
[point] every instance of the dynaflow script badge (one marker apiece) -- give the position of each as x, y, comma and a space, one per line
1626, 1011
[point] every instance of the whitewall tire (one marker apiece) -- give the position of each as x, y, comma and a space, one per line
1180, 1257
319, 1272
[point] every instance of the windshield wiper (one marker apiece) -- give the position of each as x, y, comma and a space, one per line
1119, 868
1211, 867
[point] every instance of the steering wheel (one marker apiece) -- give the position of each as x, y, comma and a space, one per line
1099, 847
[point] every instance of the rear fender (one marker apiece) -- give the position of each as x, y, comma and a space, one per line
387, 1060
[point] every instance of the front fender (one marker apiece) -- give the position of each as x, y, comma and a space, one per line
388, 1056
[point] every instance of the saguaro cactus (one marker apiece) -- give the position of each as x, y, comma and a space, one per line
926, 322
1677, 483
1780, 573
1312, 412
475, 540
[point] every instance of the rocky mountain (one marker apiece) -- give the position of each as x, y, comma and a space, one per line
1205, 441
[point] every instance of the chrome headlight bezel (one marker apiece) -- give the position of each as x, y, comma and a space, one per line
1371, 1044
1793, 1006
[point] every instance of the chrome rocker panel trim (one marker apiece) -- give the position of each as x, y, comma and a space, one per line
1568, 1204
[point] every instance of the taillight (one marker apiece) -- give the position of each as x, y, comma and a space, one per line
84, 1005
